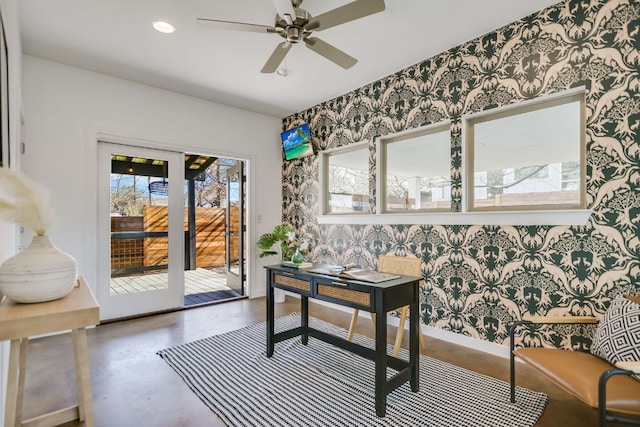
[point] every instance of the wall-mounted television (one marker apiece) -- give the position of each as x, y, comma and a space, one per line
297, 142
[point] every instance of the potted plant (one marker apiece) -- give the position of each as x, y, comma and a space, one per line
279, 242
282, 243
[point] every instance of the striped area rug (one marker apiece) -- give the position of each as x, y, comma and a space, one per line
321, 385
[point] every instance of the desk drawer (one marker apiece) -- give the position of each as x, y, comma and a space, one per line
292, 282
340, 291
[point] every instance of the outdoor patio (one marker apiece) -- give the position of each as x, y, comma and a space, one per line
198, 281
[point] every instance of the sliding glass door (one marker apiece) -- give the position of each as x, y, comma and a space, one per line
141, 230
235, 220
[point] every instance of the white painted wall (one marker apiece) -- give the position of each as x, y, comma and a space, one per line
8, 232
65, 108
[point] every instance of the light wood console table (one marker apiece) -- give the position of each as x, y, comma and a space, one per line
18, 322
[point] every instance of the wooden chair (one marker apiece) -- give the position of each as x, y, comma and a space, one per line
610, 388
394, 265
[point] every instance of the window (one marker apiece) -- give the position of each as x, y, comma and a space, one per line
345, 176
415, 171
527, 156
522, 164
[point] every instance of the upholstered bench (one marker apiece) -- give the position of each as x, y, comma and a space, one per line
606, 374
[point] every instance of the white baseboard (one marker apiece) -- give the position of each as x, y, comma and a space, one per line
465, 341
430, 331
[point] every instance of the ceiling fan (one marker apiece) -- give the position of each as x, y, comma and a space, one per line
295, 24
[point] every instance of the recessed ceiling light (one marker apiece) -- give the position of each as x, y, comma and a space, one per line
163, 27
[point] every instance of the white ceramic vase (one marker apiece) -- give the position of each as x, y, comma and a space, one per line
41, 272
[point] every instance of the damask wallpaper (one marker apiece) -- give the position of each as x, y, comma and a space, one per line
481, 278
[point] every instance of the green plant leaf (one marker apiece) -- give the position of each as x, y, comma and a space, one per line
266, 241
278, 238
280, 232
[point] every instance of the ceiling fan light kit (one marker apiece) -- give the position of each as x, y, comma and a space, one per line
296, 25
284, 72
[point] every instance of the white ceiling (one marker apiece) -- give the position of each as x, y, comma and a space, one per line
115, 37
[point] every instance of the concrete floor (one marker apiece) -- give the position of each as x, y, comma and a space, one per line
132, 386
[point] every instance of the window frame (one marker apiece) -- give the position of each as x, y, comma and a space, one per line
381, 165
574, 214
468, 148
324, 177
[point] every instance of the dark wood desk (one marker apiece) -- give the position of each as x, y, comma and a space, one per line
378, 298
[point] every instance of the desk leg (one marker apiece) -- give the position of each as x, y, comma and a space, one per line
22, 373
304, 312
381, 357
414, 346
270, 317
11, 409
83, 380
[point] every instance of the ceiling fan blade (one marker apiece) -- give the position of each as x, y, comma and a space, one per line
235, 26
276, 58
284, 7
349, 12
330, 52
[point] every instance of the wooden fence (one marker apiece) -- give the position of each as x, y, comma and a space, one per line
210, 238
127, 253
